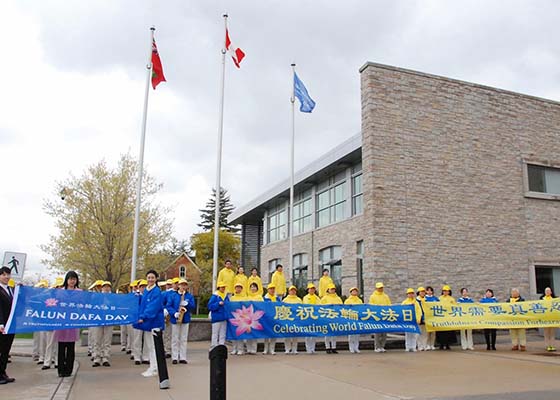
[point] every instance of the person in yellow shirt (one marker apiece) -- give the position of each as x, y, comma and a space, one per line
324, 283
255, 278
331, 298
410, 338
291, 343
422, 340
241, 278
353, 340
549, 332
279, 281
227, 276
238, 345
310, 298
254, 295
380, 298
519, 335
444, 338
270, 344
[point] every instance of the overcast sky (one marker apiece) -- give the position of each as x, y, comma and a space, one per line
73, 77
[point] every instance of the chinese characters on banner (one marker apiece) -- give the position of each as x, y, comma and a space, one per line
528, 314
36, 309
270, 320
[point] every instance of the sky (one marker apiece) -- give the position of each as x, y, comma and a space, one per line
73, 81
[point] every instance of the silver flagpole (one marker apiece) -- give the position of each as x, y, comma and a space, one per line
219, 165
141, 161
291, 211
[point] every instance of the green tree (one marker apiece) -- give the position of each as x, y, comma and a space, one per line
229, 247
226, 208
94, 215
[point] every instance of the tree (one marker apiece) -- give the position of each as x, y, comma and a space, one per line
229, 247
94, 215
226, 208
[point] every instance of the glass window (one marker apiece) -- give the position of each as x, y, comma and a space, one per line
357, 191
360, 266
543, 179
302, 212
331, 204
182, 271
277, 227
300, 269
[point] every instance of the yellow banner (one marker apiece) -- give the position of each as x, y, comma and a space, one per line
527, 314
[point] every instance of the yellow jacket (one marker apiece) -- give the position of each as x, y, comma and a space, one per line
280, 283
227, 276
311, 299
353, 300
241, 278
255, 297
324, 282
273, 299
417, 308
292, 299
257, 280
331, 299
238, 297
379, 299
547, 298
445, 299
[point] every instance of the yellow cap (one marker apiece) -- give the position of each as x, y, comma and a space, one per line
292, 288
310, 285
169, 282
271, 286
379, 285
11, 283
353, 288
105, 283
134, 283
331, 286
43, 283
409, 290
421, 289
220, 284
175, 280
182, 280
446, 287
238, 284
162, 283
142, 282
98, 282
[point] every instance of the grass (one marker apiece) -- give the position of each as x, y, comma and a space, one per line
200, 316
24, 336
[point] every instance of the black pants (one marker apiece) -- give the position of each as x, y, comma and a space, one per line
490, 337
5, 346
445, 338
66, 355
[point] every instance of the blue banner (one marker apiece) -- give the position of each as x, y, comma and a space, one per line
261, 320
36, 309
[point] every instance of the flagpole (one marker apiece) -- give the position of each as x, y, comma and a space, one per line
141, 161
291, 211
219, 164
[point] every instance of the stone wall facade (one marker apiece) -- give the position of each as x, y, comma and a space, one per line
444, 196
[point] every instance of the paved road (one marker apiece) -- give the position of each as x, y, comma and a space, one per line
450, 375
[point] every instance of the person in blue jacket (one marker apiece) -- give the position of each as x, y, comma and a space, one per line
489, 334
181, 302
216, 306
150, 318
466, 334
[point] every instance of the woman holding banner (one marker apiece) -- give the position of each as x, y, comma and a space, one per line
549, 332
331, 298
291, 343
430, 336
518, 336
353, 340
466, 334
255, 294
67, 338
446, 337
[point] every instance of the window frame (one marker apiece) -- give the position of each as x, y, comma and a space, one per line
274, 213
357, 173
538, 195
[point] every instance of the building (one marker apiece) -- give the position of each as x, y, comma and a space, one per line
449, 182
184, 267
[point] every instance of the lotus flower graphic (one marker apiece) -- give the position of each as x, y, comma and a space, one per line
51, 302
245, 319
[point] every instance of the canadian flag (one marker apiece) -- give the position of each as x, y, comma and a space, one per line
236, 53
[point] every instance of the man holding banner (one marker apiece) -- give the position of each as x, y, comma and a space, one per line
6, 340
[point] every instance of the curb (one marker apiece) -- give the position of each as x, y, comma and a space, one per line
62, 391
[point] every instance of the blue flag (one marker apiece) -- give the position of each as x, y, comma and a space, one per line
307, 103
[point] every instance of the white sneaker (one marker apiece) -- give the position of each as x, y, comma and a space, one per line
357, 351
294, 352
239, 353
272, 353
378, 351
383, 350
149, 372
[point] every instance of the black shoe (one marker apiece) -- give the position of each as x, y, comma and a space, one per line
8, 379
56, 366
132, 357
329, 351
447, 347
168, 356
493, 347
46, 367
40, 362
146, 362
441, 347
174, 362
89, 353
3, 381
128, 351
137, 363
106, 364
334, 351
95, 364
183, 362
487, 347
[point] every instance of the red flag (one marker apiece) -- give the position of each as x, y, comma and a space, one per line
236, 53
157, 68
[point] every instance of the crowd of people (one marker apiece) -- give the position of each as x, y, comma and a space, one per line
232, 286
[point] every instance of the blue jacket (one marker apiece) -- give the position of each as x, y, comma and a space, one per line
488, 300
278, 299
463, 300
174, 304
430, 299
218, 312
151, 310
